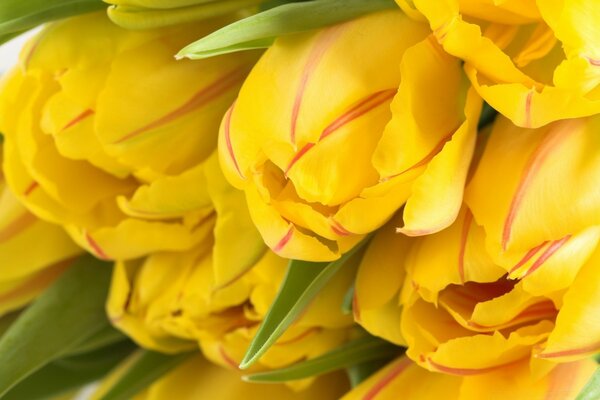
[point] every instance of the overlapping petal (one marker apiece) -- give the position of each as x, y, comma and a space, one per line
333, 132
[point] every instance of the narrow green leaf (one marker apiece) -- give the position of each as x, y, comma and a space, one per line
360, 372
63, 317
260, 30
348, 300
21, 15
105, 337
8, 36
358, 351
302, 283
591, 391
62, 376
146, 369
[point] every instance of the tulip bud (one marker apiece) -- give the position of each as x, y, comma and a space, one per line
460, 312
171, 303
109, 136
150, 14
334, 130
534, 62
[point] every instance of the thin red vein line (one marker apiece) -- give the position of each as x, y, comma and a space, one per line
314, 58
96, 247
227, 132
393, 374
553, 248
533, 166
34, 185
438, 147
87, 113
201, 98
284, 240
532, 252
365, 105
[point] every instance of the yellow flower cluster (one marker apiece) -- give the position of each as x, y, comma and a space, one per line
201, 179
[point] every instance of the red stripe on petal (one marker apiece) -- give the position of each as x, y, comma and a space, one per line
387, 379
592, 348
87, 113
228, 360
96, 248
362, 107
534, 164
16, 226
338, 229
201, 98
314, 58
298, 156
438, 147
31, 188
532, 252
467, 371
553, 248
284, 240
227, 133
528, 100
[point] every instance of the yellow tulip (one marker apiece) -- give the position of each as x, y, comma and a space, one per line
459, 312
198, 379
473, 298
149, 14
404, 378
109, 136
335, 130
172, 302
534, 61
33, 253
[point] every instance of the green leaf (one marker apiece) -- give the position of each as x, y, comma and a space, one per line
61, 319
261, 30
62, 376
358, 351
348, 300
360, 372
21, 15
105, 337
591, 391
6, 37
147, 368
302, 283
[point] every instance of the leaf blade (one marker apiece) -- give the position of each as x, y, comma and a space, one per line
263, 28
358, 351
55, 323
146, 369
63, 376
21, 15
591, 390
302, 283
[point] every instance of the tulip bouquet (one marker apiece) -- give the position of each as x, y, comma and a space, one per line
319, 199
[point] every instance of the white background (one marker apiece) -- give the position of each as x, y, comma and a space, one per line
9, 52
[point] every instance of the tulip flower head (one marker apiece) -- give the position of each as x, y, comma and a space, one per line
335, 130
515, 277
108, 135
171, 303
533, 61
